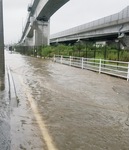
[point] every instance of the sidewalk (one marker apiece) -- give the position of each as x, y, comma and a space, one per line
25, 133
18, 128
4, 116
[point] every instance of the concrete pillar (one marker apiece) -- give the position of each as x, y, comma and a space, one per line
41, 35
28, 41
126, 41
2, 63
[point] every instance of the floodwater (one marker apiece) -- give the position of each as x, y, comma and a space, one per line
58, 107
4, 115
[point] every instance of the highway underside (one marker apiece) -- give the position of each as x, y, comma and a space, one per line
57, 107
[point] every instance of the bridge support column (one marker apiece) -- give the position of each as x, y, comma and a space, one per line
124, 41
28, 42
41, 34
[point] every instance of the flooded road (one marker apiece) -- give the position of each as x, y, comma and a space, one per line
57, 107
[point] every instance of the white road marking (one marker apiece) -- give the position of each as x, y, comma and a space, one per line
45, 133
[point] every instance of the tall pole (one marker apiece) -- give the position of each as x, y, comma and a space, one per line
2, 63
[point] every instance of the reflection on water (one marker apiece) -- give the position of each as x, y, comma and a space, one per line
2, 82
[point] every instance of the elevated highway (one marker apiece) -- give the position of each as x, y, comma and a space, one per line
112, 27
37, 28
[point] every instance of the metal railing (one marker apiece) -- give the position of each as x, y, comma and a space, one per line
115, 68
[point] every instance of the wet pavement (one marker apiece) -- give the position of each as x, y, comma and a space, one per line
4, 115
58, 107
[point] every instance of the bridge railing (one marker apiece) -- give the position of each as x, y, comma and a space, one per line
115, 68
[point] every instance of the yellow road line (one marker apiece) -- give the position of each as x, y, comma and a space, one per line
46, 136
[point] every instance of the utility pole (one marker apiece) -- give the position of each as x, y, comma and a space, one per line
2, 63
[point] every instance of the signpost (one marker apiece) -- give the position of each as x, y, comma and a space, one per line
2, 61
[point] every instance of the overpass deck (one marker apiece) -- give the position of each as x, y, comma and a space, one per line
113, 24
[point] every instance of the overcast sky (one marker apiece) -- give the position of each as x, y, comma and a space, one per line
74, 13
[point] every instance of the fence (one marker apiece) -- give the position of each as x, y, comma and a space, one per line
115, 68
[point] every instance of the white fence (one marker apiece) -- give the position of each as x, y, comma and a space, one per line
115, 68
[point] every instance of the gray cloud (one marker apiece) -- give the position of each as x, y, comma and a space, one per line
15, 13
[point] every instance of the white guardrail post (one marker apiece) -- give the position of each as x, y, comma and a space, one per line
54, 58
128, 73
61, 59
82, 62
70, 60
100, 62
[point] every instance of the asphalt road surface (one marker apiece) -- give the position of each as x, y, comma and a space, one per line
58, 107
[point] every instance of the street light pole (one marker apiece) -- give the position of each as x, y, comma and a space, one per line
2, 63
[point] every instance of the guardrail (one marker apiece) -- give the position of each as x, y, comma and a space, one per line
115, 68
